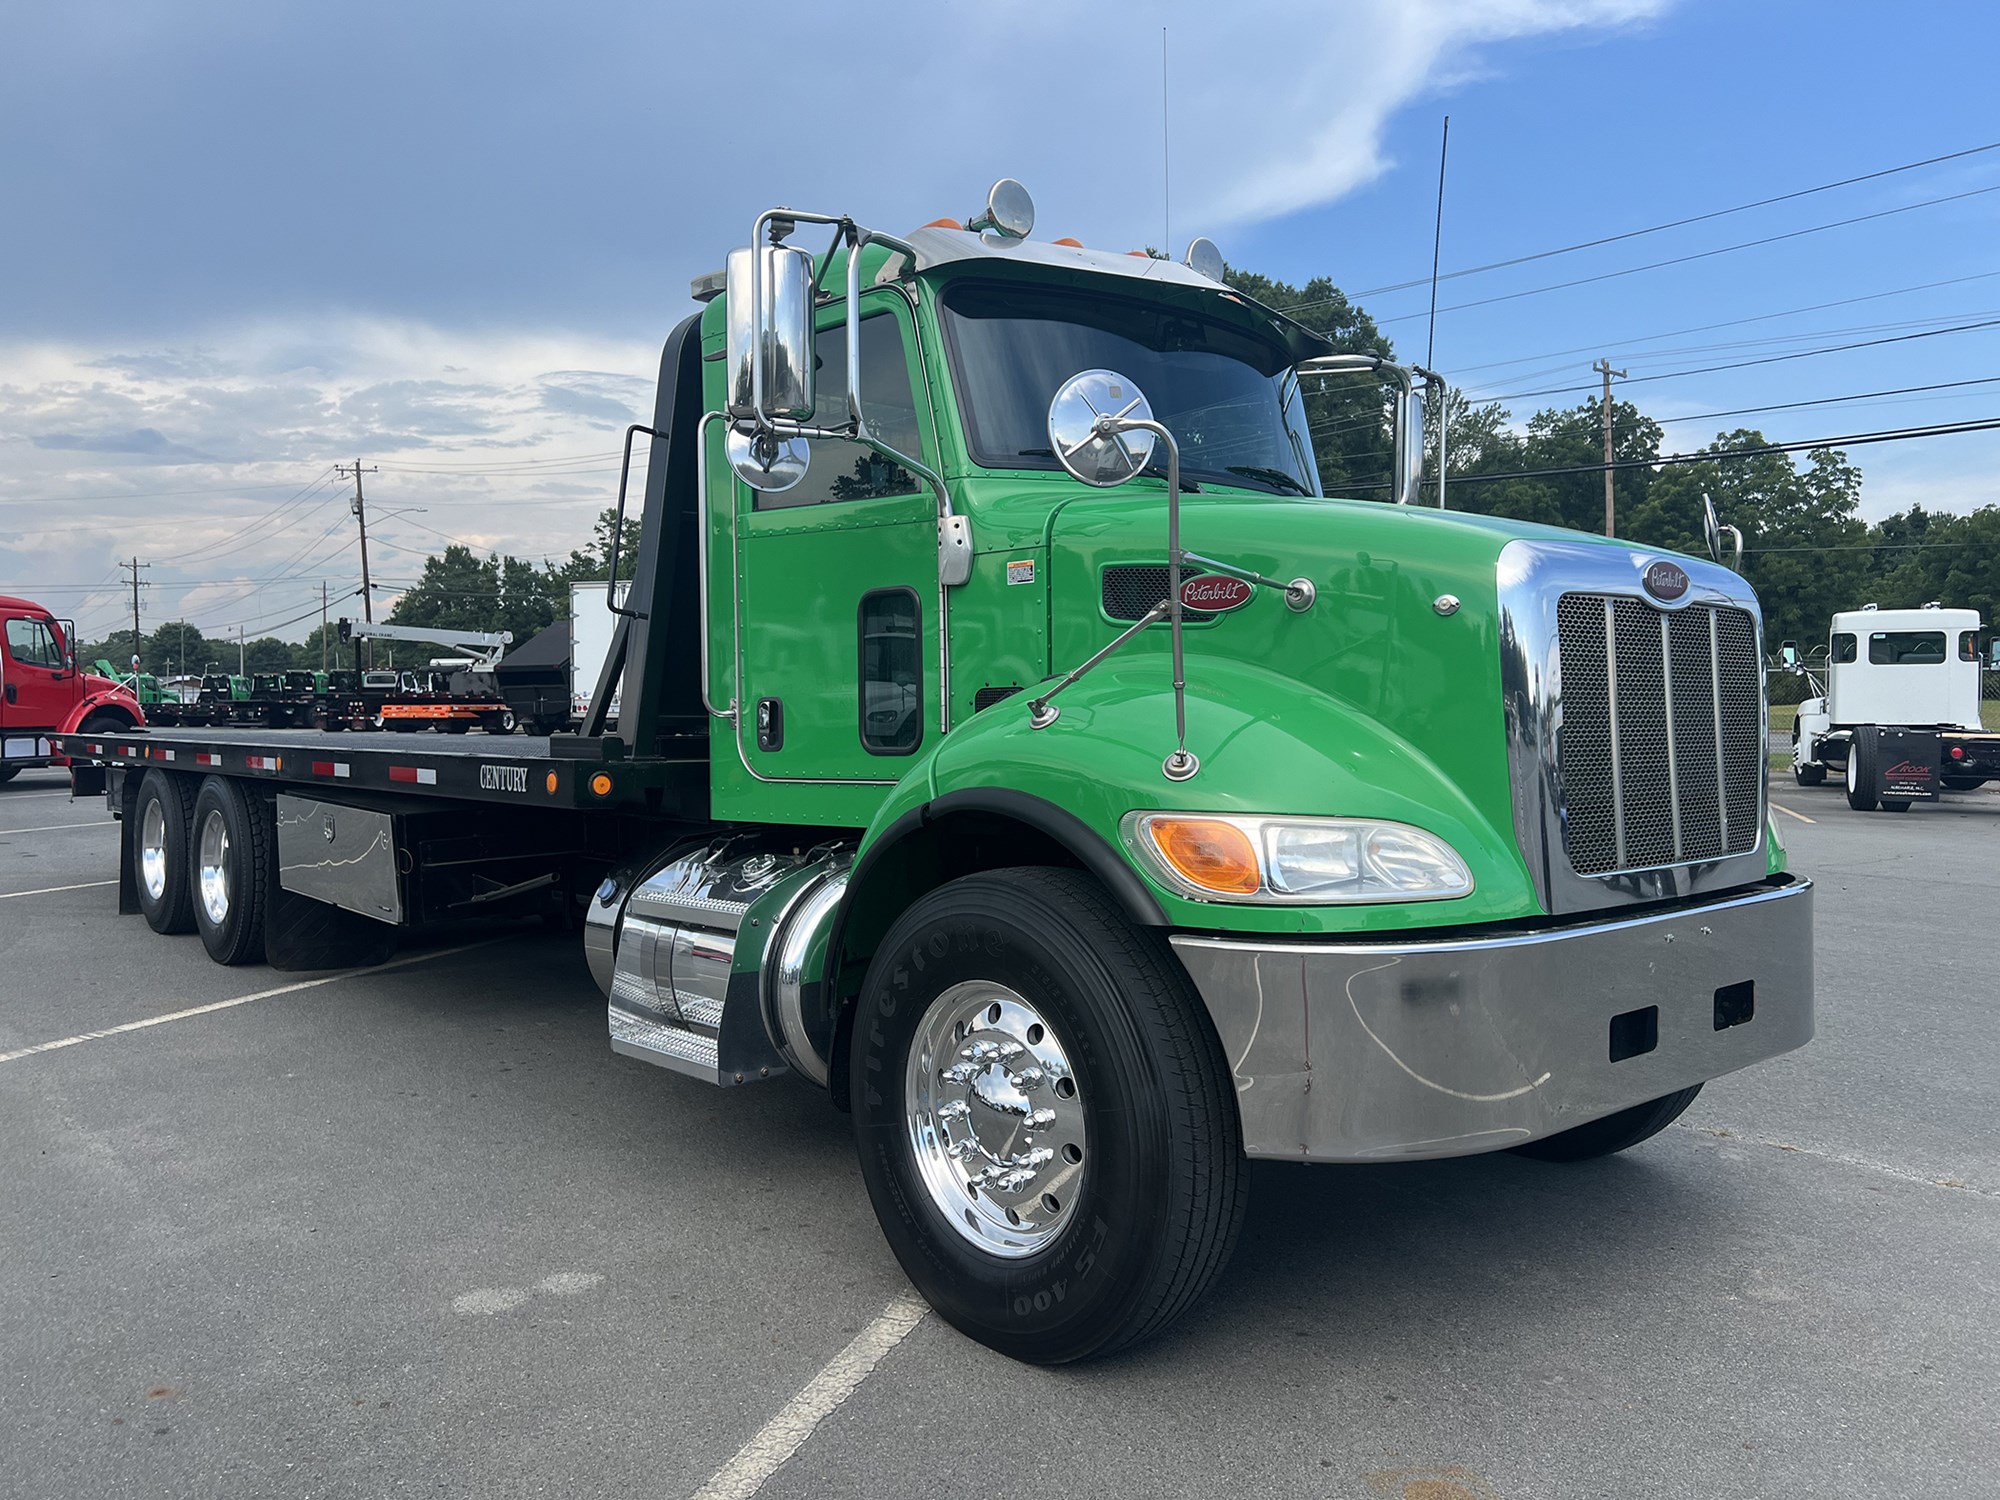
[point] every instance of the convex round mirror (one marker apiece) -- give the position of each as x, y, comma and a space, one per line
1101, 459
1711, 529
1010, 212
766, 462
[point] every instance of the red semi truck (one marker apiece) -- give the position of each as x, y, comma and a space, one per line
45, 694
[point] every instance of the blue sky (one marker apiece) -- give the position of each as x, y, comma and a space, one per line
246, 242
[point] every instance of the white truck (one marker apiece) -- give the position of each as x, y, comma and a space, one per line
591, 624
1898, 713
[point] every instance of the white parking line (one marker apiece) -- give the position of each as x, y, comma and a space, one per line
1790, 814
50, 890
52, 827
782, 1436
215, 1005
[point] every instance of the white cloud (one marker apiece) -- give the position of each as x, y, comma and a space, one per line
188, 447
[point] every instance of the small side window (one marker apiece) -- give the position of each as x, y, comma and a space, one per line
892, 683
1844, 647
1968, 645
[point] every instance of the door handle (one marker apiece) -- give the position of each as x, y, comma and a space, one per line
10, 692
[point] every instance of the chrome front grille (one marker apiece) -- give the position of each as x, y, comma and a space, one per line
1659, 753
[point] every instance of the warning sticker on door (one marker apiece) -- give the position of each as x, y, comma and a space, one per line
1022, 570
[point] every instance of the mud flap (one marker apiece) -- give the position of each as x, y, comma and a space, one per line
1908, 765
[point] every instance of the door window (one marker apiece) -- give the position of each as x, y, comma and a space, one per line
33, 644
843, 470
1843, 647
1968, 645
892, 719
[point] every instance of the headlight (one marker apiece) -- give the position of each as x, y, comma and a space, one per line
1295, 861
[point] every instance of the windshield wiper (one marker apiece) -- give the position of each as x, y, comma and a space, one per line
1270, 476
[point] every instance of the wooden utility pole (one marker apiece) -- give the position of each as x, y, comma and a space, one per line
133, 567
359, 506
1611, 513
322, 624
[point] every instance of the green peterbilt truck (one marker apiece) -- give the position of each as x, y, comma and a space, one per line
1016, 743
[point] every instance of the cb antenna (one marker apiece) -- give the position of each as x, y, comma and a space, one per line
1166, 161
1437, 242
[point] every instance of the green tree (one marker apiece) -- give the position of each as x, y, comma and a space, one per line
1348, 414
1805, 545
591, 563
172, 646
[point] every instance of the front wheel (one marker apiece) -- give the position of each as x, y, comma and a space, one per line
1612, 1133
1044, 1118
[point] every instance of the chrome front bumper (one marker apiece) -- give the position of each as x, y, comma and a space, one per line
1371, 1051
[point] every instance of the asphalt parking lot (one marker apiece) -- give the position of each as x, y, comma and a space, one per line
417, 1230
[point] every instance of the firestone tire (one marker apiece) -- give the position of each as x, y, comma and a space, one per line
1862, 773
1612, 1133
229, 859
1032, 1008
160, 865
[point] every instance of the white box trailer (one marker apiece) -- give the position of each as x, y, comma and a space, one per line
590, 628
1898, 714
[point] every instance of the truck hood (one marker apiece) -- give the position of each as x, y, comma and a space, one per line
1404, 632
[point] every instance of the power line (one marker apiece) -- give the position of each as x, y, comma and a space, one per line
1769, 359
1681, 260
1901, 390
1790, 312
1720, 213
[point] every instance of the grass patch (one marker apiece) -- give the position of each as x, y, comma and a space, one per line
1785, 715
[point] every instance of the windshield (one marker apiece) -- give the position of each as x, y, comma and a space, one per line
1229, 398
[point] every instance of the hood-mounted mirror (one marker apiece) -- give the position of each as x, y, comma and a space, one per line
768, 463
1100, 459
1711, 529
1204, 258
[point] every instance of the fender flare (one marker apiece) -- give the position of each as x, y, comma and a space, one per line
1054, 823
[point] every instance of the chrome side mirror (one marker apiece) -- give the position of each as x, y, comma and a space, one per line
1099, 458
1410, 442
1788, 653
1711, 529
771, 371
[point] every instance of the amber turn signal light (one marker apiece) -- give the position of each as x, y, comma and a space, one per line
600, 785
1208, 853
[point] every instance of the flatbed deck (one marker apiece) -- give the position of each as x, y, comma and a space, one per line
514, 770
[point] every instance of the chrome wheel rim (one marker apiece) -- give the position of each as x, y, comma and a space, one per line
1853, 771
212, 871
153, 850
996, 1119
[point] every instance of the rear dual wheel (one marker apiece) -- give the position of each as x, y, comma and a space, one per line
231, 849
1044, 1118
160, 863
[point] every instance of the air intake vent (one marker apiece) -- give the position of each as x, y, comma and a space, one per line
1661, 745
1130, 589
986, 697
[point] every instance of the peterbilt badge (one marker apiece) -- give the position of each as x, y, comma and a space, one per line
1213, 593
1665, 581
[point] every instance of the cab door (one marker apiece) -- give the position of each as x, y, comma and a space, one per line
839, 580
38, 688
